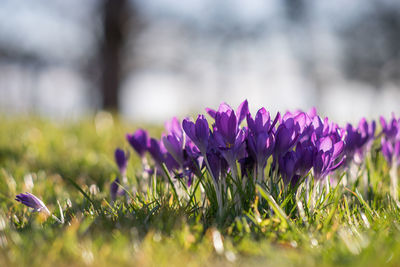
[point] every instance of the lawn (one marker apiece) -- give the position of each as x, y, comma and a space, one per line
70, 166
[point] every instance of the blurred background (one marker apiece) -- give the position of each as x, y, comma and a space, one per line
151, 60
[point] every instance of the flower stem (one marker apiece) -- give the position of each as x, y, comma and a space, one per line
394, 180
216, 185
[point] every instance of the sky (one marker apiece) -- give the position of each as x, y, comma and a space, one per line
184, 65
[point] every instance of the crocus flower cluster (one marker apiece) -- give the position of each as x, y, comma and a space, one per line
391, 150
296, 143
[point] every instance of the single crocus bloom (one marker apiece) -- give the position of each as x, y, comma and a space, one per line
305, 154
261, 122
139, 141
327, 158
198, 132
260, 147
174, 146
390, 129
391, 151
287, 167
32, 201
241, 112
173, 127
367, 131
285, 137
121, 158
116, 189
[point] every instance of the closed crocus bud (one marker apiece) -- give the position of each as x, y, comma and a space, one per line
227, 137
139, 141
114, 189
391, 129
156, 151
223, 107
387, 150
261, 122
122, 160
173, 127
285, 137
287, 165
261, 147
328, 156
305, 154
198, 132
227, 127
174, 146
240, 114
367, 130
32, 201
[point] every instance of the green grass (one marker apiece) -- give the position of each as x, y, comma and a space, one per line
353, 225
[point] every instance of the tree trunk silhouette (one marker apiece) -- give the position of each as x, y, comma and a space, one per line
114, 36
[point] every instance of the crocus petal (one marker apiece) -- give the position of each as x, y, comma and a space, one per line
211, 112
189, 128
174, 147
242, 111
326, 144
337, 149
122, 160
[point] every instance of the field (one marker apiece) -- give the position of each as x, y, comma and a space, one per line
351, 223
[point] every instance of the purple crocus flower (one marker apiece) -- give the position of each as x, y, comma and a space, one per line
193, 159
358, 140
122, 160
303, 124
352, 142
32, 201
296, 164
327, 158
305, 154
227, 137
160, 155
155, 151
192, 162
174, 146
115, 189
226, 128
139, 141
261, 122
285, 137
287, 167
391, 129
325, 128
241, 112
312, 112
173, 127
198, 132
260, 147
367, 132
391, 151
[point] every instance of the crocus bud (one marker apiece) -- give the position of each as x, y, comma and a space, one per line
32, 201
122, 160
